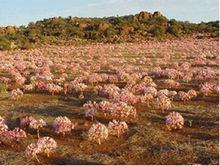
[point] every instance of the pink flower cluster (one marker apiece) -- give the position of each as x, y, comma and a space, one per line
209, 88
151, 90
41, 86
29, 121
32, 123
14, 135
123, 111
117, 128
118, 110
174, 121
90, 109
16, 94
98, 132
11, 135
142, 88
29, 87
37, 124
63, 125
126, 96
167, 93
206, 74
109, 90
54, 89
44, 145
75, 86
186, 96
163, 102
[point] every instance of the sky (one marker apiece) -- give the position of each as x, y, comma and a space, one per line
21, 12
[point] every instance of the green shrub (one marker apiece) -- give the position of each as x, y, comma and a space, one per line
3, 87
5, 44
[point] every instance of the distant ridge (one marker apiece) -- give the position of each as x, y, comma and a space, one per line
130, 28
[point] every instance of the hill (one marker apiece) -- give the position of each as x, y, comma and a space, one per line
128, 28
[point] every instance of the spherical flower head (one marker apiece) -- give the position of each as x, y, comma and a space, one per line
37, 124
43, 145
209, 88
15, 135
97, 89
126, 96
19, 133
146, 98
123, 111
63, 125
117, 128
174, 121
32, 150
89, 105
98, 132
16, 94
106, 106
90, 113
192, 93
29, 87
163, 103
184, 96
151, 90
163, 92
46, 144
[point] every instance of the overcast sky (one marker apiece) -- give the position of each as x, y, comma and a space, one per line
21, 12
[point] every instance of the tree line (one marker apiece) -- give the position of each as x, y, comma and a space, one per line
117, 29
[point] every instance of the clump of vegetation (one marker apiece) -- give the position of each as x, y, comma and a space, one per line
174, 121
98, 132
44, 145
3, 87
63, 125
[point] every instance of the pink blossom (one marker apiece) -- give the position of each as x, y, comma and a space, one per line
209, 88
37, 124
63, 125
44, 145
14, 135
98, 132
117, 128
174, 121
16, 94
162, 102
185, 96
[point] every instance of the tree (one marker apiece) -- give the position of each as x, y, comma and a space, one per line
103, 26
10, 30
159, 31
5, 44
2, 30
175, 28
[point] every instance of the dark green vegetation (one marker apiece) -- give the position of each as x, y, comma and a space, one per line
108, 29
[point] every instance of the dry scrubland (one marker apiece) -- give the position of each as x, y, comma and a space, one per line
125, 81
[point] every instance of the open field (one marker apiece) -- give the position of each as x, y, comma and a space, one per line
58, 81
